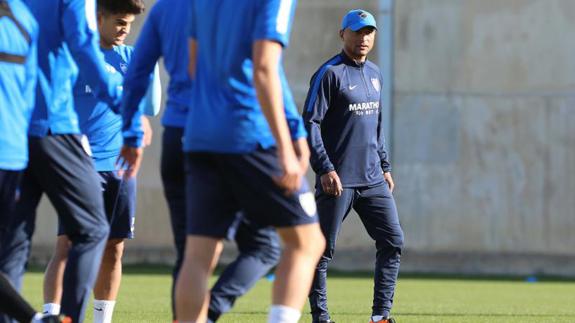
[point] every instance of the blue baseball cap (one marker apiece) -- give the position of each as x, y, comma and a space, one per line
357, 19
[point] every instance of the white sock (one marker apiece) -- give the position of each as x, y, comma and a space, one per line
283, 314
37, 318
103, 311
376, 318
51, 309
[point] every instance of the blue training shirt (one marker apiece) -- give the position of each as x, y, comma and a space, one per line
165, 33
68, 42
18, 68
98, 121
343, 116
225, 115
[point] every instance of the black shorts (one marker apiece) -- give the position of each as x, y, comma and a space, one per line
119, 203
220, 185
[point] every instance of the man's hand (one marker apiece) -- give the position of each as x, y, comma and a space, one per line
302, 152
389, 180
129, 160
331, 183
148, 133
292, 175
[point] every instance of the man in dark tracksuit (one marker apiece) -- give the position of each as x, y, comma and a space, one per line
343, 117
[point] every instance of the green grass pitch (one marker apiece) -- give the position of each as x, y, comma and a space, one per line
144, 298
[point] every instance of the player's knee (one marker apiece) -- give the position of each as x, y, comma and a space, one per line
394, 241
317, 243
114, 250
397, 240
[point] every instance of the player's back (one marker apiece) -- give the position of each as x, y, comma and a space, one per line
171, 27
223, 95
18, 37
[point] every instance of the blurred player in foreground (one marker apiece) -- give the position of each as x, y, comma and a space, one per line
59, 162
164, 35
241, 153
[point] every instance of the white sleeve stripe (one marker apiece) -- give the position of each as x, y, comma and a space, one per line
90, 11
284, 12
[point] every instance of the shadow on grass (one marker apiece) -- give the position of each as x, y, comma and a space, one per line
152, 269
399, 313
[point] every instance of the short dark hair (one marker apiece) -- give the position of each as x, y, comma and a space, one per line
134, 7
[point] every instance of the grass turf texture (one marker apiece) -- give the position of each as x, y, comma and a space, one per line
144, 297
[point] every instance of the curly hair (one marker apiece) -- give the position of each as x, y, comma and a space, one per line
134, 7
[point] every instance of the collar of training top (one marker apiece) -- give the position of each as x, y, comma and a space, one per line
348, 61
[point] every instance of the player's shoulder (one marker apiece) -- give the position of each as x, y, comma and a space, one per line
372, 66
162, 5
330, 67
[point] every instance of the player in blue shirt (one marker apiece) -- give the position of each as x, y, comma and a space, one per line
103, 127
58, 165
18, 68
343, 116
241, 152
164, 34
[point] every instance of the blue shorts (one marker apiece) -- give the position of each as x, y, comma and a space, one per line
220, 185
120, 205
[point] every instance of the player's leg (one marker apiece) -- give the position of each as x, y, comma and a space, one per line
73, 187
9, 182
120, 206
54, 277
210, 211
108, 281
173, 180
16, 237
201, 257
332, 211
259, 251
11, 303
303, 245
251, 178
377, 210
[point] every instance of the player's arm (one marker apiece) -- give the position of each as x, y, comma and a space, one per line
381, 149
31, 70
136, 82
81, 35
316, 106
266, 59
317, 103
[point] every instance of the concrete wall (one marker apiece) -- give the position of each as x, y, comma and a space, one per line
483, 132
482, 136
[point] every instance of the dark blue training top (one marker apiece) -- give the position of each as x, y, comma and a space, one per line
342, 115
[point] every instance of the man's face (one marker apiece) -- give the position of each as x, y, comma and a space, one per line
358, 43
114, 28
